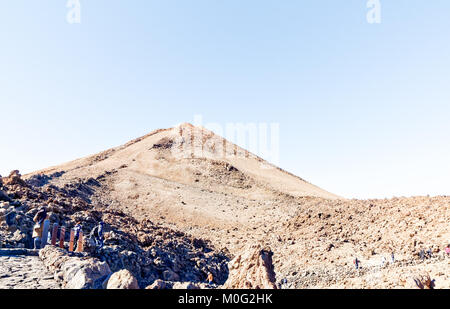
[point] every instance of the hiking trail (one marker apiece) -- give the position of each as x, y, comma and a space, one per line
25, 272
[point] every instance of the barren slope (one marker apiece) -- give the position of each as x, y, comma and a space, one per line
190, 178
214, 190
170, 155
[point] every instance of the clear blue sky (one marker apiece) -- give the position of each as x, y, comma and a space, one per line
363, 108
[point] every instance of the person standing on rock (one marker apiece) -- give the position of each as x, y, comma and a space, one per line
447, 250
97, 235
77, 229
210, 278
392, 258
38, 219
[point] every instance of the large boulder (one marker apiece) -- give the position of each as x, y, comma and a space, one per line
122, 279
167, 285
84, 274
75, 272
252, 270
160, 285
14, 178
4, 196
170, 275
185, 286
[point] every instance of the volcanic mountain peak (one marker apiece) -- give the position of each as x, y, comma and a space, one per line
192, 156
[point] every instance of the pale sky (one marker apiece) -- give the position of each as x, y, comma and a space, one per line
363, 108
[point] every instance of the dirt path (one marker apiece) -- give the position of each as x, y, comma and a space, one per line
398, 275
25, 272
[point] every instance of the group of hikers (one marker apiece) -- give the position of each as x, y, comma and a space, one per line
357, 262
96, 234
425, 255
422, 255
429, 253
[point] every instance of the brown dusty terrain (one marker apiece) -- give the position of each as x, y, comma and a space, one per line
191, 180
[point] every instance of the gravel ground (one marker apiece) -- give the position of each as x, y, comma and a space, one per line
25, 272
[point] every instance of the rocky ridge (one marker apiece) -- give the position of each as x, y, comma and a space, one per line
147, 250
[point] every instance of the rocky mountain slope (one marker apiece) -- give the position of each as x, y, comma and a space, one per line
185, 198
190, 179
148, 250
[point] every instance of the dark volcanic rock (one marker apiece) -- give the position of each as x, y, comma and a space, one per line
149, 251
4, 197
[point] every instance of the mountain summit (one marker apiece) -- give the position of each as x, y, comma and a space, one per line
192, 156
187, 177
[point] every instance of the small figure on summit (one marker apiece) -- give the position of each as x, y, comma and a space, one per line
356, 262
